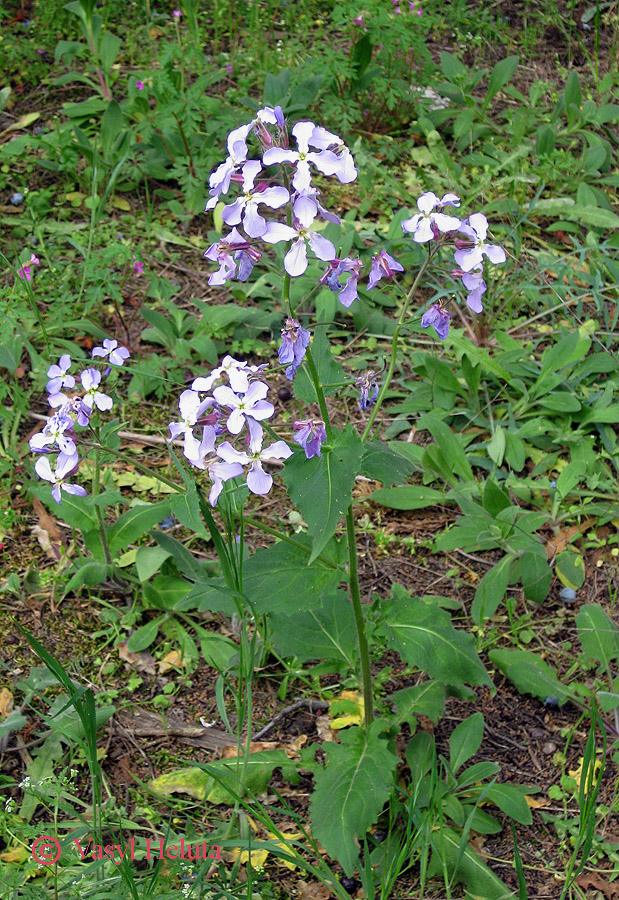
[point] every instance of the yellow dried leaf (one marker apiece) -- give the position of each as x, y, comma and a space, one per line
258, 857
285, 846
6, 703
15, 855
172, 660
121, 203
532, 803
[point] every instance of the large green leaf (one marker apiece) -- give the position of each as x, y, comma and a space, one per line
382, 463
424, 636
530, 674
278, 579
427, 699
351, 791
598, 634
321, 487
327, 633
510, 798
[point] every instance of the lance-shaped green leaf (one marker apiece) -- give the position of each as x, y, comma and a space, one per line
598, 634
321, 487
351, 791
278, 579
134, 523
424, 636
383, 463
491, 590
450, 853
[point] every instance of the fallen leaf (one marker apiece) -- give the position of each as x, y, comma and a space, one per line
306, 891
558, 542
15, 854
323, 727
142, 662
532, 803
285, 846
6, 703
590, 880
47, 532
172, 660
291, 750
258, 857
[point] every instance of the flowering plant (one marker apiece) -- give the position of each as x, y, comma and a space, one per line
229, 433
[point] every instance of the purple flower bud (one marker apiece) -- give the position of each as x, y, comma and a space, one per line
295, 341
310, 435
367, 383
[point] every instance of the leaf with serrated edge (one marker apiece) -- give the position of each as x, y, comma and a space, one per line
424, 636
598, 634
351, 791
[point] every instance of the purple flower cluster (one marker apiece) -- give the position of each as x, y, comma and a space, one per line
231, 407
430, 223
58, 433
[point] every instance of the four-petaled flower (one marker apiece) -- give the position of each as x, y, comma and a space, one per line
427, 223
295, 341
245, 407
295, 261
218, 473
246, 206
324, 160
310, 435
117, 355
91, 378
64, 466
476, 228
258, 481
438, 318
25, 272
54, 434
383, 266
59, 377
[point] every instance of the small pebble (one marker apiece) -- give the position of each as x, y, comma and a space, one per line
350, 885
538, 733
548, 748
17, 199
568, 595
284, 394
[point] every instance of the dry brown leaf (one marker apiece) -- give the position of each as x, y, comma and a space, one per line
142, 662
323, 727
6, 703
47, 532
558, 542
590, 880
292, 749
314, 891
532, 803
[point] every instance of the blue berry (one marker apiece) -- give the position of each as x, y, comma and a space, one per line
17, 199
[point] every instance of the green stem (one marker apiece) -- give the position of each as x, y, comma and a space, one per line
95, 492
394, 350
324, 412
355, 593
